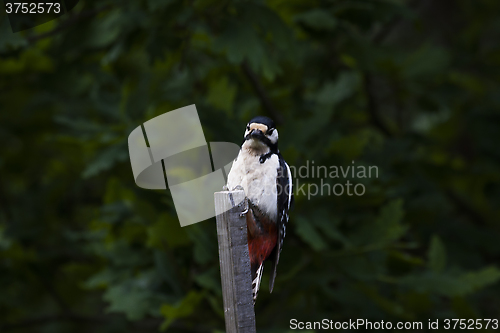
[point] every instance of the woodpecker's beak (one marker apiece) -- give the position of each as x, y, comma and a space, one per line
256, 134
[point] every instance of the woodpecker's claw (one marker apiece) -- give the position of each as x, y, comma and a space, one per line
238, 188
243, 213
225, 188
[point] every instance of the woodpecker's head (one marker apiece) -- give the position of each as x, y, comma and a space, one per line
260, 133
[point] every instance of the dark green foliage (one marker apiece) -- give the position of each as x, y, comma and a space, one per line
411, 87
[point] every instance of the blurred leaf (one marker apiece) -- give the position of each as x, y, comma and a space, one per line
448, 285
479, 279
5, 242
332, 93
106, 160
240, 42
329, 228
168, 230
131, 297
221, 94
309, 234
386, 228
105, 30
437, 255
426, 60
210, 280
318, 19
205, 249
389, 221
183, 309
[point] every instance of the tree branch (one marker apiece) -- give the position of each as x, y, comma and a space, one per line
373, 107
395, 24
261, 93
72, 20
465, 208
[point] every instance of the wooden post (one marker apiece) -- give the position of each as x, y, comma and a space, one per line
234, 262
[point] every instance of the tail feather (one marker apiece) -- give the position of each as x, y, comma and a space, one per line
273, 258
256, 279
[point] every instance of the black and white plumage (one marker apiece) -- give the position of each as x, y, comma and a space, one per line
267, 181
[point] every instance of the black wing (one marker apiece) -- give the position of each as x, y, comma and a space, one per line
285, 201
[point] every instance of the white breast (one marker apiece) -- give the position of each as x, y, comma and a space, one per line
258, 180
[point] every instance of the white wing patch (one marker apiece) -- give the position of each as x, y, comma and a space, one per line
286, 209
290, 189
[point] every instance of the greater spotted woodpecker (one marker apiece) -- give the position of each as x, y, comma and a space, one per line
260, 170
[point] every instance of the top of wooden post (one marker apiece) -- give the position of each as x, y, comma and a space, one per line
234, 262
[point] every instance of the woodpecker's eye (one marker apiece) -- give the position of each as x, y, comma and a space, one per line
248, 127
270, 131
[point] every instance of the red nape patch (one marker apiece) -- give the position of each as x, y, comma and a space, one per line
261, 246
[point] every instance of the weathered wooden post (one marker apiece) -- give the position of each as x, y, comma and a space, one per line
234, 262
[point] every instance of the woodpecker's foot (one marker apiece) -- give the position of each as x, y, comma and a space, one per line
245, 203
225, 188
238, 188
